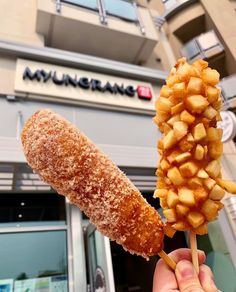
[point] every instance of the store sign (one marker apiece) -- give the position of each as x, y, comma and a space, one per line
228, 124
49, 80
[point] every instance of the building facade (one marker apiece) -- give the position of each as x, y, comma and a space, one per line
100, 64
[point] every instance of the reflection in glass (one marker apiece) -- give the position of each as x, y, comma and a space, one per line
92, 4
31, 209
122, 9
34, 260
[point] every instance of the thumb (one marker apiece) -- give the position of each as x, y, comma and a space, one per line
187, 277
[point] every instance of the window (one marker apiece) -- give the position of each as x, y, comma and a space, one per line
122, 9
34, 260
31, 209
33, 242
91, 4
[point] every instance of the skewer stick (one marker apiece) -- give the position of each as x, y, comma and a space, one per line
193, 246
168, 260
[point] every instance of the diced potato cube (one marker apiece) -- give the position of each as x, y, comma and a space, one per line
177, 108
213, 168
190, 137
175, 99
159, 172
212, 94
194, 182
186, 117
164, 164
163, 104
169, 230
160, 144
173, 119
217, 193
182, 210
217, 104
182, 157
165, 91
169, 140
219, 204
186, 196
199, 152
167, 181
185, 145
172, 199
181, 226
188, 169
175, 176
199, 132
170, 215
214, 134
160, 193
185, 71
218, 117
195, 219
209, 209
160, 184
210, 113
202, 229
227, 185
166, 128
161, 117
210, 76
172, 79
163, 203
200, 64
209, 183
205, 151
202, 174
180, 129
179, 89
215, 149
194, 85
196, 103
200, 194
173, 155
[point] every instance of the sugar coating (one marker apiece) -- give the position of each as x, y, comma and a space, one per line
68, 161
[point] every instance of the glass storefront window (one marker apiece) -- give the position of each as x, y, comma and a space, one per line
32, 209
33, 261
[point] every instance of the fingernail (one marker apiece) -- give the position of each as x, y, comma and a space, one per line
185, 269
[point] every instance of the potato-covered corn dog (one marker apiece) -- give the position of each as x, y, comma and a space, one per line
67, 160
190, 187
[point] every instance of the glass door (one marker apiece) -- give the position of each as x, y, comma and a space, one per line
35, 240
100, 268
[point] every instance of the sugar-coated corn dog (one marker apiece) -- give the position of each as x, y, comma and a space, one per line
68, 161
190, 187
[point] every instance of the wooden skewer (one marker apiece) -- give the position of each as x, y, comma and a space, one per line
193, 246
168, 260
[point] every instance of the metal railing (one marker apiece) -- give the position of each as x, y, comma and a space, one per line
124, 9
204, 46
172, 7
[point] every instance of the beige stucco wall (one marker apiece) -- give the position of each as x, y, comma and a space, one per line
221, 16
17, 22
7, 75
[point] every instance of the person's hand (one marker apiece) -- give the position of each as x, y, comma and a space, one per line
185, 278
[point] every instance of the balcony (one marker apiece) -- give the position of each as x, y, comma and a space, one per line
228, 91
113, 29
204, 46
